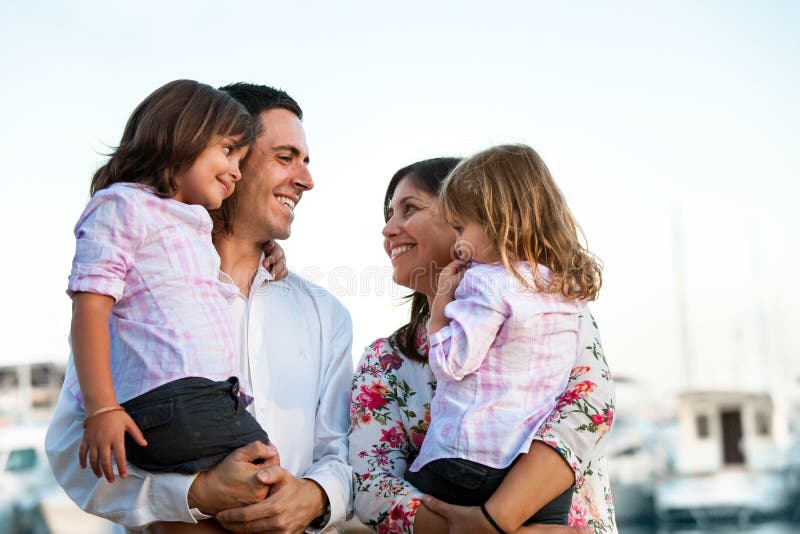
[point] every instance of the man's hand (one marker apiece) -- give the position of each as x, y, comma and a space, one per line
104, 434
275, 260
292, 504
470, 520
234, 482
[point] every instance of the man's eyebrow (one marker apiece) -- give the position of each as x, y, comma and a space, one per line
291, 148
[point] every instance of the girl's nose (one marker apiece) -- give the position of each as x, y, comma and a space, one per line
236, 172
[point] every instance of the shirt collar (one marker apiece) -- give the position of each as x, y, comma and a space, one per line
261, 279
263, 276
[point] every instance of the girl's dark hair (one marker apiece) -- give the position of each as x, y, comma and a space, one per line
168, 130
428, 175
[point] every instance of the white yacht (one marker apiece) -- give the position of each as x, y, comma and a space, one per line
729, 461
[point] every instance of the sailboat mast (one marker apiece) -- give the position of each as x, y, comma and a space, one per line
681, 302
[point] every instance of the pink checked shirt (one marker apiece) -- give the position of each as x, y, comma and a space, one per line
500, 365
171, 317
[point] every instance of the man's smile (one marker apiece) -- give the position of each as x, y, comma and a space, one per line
286, 201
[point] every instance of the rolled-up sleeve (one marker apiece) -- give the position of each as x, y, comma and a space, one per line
107, 236
476, 316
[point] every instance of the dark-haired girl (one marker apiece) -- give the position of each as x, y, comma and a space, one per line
154, 352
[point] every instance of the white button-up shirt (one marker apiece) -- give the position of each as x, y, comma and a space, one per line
296, 341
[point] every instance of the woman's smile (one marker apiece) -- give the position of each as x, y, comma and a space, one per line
416, 238
397, 250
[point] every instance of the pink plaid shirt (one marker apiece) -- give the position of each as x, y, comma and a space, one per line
171, 317
500, 366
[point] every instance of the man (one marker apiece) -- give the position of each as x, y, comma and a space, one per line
295, 350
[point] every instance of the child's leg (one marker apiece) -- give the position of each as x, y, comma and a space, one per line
209, 526
457, 481
190, 425
556, 512
466, 483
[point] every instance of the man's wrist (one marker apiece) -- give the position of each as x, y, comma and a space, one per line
322, 507
322, 520
198, 516
197, 496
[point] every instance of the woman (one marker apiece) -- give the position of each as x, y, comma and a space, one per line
393, 387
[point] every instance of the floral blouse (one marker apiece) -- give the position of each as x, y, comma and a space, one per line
390, 412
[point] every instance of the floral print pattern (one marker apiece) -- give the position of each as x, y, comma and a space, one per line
390, 414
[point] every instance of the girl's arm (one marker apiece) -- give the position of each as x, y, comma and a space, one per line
91, 347
108, 234
275, 260
106, 422
473, 320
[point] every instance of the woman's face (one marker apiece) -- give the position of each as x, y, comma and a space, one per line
416, 238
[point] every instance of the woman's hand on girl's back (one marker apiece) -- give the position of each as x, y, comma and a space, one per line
105, 433
275, 260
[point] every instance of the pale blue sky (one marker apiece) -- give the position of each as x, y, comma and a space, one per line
641, 109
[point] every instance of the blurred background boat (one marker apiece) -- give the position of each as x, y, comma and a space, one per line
730, 462
704, 460
31, 501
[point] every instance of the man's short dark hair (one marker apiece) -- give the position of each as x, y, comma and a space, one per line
256, 99
260, 98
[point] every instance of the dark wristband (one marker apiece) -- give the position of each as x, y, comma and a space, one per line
490, 520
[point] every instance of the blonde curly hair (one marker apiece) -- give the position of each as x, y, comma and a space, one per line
509, 191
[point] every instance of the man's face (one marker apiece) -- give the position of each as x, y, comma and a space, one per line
274, 177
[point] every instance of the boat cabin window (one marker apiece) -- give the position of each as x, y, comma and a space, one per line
701, 422
20, 460
763, 424
40, 375
8, 378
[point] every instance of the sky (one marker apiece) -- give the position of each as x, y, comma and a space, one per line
671, 127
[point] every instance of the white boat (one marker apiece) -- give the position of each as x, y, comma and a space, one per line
31, 501
24, 475
728, 464
29, 391
636, 459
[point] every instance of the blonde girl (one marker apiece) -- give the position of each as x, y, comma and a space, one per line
503, 331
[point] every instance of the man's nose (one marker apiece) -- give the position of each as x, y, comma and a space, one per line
303, 178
